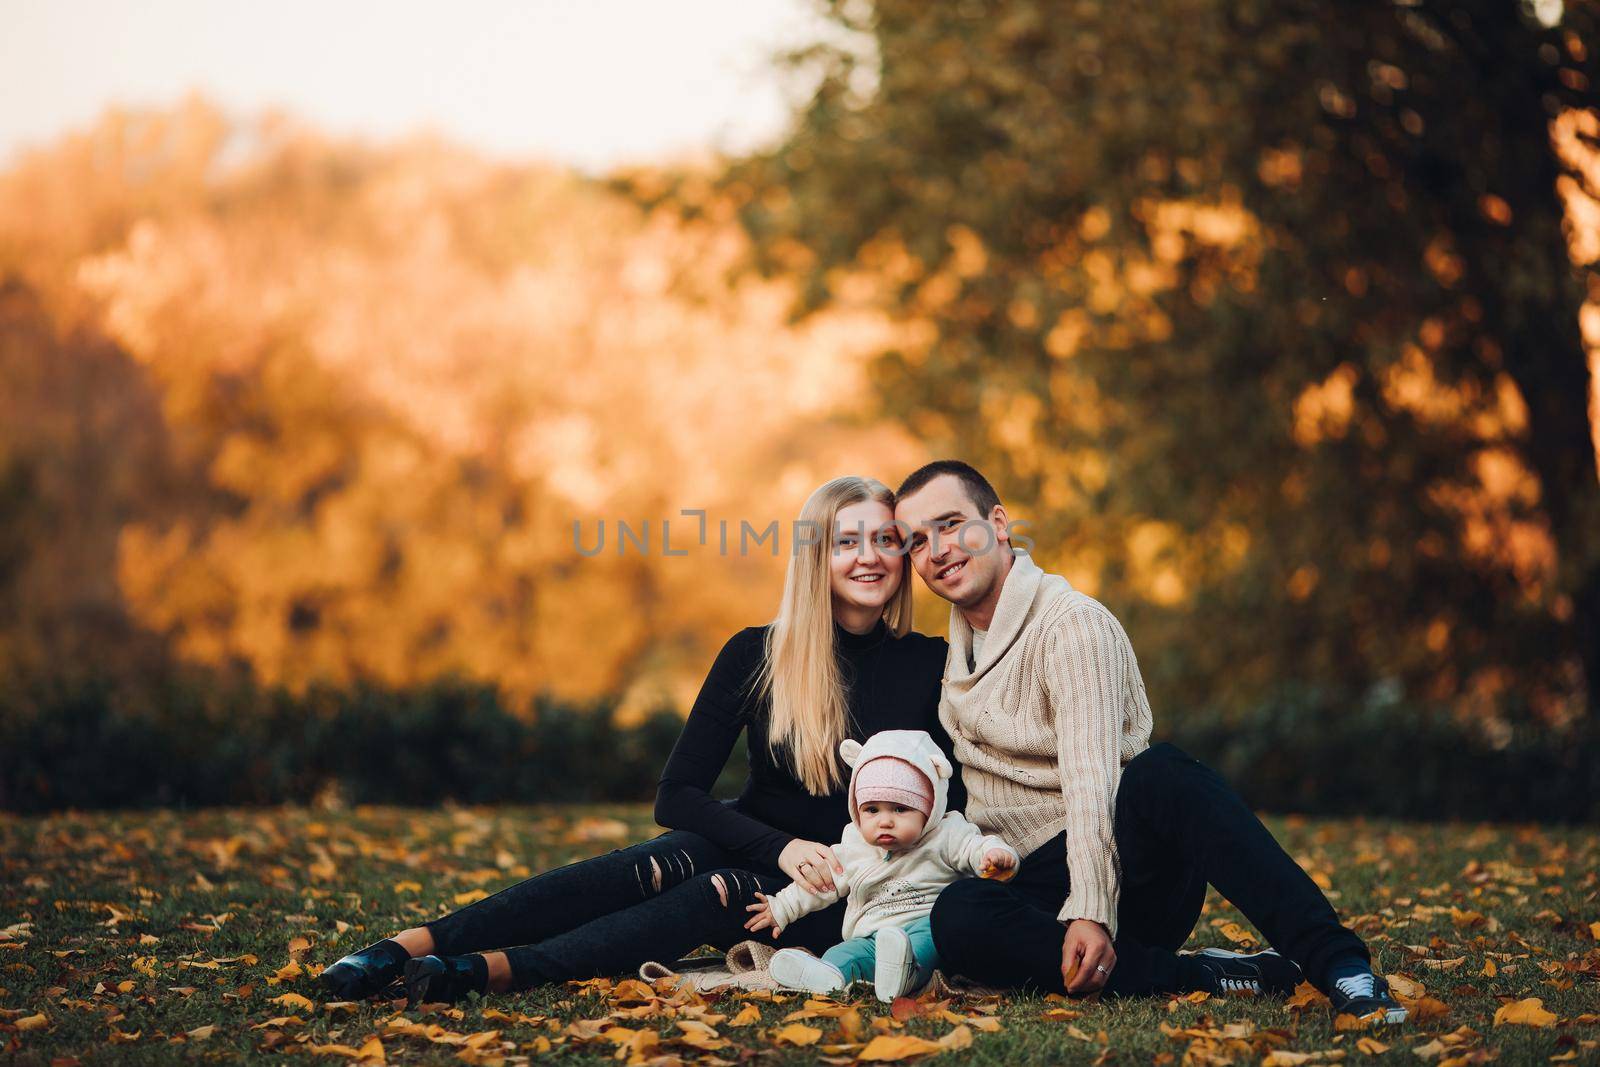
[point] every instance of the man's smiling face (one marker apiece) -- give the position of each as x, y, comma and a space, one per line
958, 552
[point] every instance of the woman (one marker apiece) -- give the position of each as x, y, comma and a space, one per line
840, 660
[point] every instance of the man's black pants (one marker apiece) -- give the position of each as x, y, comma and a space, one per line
1178, 826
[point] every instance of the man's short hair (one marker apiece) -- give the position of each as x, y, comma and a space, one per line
979, 491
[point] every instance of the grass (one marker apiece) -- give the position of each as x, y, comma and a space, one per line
125, 932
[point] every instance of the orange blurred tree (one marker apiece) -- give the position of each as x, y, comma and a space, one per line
1263, 313
328, 411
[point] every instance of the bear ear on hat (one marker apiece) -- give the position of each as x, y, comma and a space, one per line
850, 748
942, 765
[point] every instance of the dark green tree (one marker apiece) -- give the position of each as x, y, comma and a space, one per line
1262, 312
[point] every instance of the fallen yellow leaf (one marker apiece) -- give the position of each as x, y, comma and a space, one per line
1404, 986
586, 1029
481, 1038
365, 1054
32, 1022
1423, 1009
1237, 934
698, 1035
1284, 1058
293, 1000
957, 1039
1443, 965
632, 1043
1529, 1012
748, 1015
797, 1034
496, 1015
1305, 996
632, 991
1432, 1050
886, 1048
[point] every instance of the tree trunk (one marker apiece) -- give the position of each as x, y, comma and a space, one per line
1532, 295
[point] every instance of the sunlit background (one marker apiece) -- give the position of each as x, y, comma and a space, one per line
589, 84
321, 325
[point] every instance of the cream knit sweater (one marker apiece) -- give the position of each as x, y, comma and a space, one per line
1043, 725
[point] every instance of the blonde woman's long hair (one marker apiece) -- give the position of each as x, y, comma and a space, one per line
810, 711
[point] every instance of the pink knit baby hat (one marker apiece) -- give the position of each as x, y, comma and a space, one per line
893, 780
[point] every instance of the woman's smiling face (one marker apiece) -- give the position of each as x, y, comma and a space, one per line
865, 563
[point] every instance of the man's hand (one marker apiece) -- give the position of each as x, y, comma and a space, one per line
762, 917
1086, 957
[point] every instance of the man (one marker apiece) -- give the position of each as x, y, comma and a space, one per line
1046, 707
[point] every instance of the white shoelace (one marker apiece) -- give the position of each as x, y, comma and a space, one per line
1357, 986
1240, 985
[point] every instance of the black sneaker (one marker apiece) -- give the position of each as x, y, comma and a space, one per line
1366, 996
1248, 974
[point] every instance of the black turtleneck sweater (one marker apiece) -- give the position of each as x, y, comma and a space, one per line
893, 684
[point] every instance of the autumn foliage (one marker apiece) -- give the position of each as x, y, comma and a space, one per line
328, 412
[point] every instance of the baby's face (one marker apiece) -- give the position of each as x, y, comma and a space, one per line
890, 826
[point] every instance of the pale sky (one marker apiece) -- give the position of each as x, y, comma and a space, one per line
586, 82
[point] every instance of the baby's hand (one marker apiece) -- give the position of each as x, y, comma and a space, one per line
997, 864
762, 917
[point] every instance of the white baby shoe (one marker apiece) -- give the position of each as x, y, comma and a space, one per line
795, 968
897, 973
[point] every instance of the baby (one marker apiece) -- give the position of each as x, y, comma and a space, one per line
899, 850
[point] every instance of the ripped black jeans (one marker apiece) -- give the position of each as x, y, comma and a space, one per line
607, 915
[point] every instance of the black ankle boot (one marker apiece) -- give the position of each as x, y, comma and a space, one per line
445, 979
368, 972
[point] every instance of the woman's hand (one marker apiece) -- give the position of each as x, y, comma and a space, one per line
762, 917
810, 864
